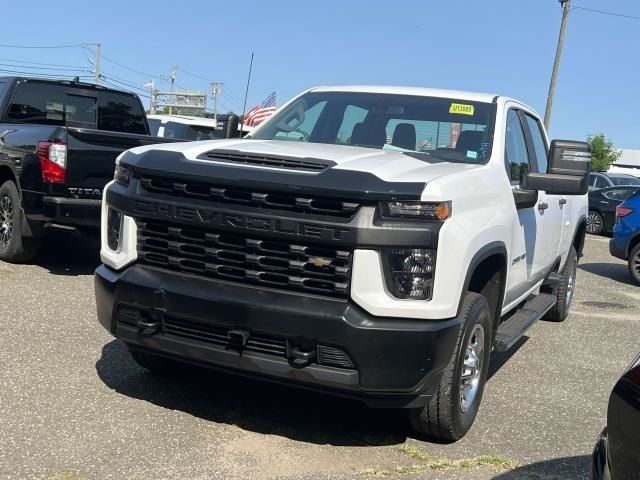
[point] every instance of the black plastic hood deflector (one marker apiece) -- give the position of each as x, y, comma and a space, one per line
332, 182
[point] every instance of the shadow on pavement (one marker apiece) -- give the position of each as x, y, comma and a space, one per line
498, 359
615, 271
259, 406
69, 254
564, 468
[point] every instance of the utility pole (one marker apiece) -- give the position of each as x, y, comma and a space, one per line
154, 97
215, 91
172, 77
566, 7
98, 63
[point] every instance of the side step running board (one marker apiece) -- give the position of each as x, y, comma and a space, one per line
515, 327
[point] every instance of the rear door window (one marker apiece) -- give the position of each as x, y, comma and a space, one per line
119, 112
154, 126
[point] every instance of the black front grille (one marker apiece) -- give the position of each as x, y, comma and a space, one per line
272, 263
256, 199
272, 161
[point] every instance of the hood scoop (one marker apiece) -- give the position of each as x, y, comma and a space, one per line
305, 164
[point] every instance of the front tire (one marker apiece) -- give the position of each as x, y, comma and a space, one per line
595, 223
564, 290
13, 247
452, 410
634, 263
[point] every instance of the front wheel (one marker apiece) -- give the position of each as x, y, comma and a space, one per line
452, 410
634, 263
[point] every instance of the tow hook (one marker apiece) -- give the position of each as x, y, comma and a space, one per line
299, 357
153, 325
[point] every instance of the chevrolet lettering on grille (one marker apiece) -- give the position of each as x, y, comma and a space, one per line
238, 221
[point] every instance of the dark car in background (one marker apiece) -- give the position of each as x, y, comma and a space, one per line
602, 207
616, 455
58, 145
599, 180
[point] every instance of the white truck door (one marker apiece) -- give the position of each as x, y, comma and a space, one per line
552, 207
527, 243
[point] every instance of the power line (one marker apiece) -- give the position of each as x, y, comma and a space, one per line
148, 75
42, 64
44, 68
42, 46
603, 12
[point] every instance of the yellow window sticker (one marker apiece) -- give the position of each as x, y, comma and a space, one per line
462, 109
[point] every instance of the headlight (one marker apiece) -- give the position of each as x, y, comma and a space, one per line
122, 175
416, 210
409, 272
114, 230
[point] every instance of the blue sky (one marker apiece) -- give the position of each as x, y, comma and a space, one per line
501, 46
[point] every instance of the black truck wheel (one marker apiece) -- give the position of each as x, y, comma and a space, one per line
451, 411
564, 290
13, 247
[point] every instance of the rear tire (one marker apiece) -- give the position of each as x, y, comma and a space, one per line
564, 290
14, 247
595, 223
452, 410
634, 263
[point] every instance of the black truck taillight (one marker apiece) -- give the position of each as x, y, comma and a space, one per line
53, 161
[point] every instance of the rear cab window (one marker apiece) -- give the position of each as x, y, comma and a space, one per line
58, 104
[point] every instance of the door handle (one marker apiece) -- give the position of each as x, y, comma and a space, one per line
562, 201
543, 206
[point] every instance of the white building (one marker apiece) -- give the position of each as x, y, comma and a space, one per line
629, 163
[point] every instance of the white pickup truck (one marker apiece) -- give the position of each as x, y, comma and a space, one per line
371, 242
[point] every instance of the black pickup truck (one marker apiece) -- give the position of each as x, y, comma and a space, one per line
58, 145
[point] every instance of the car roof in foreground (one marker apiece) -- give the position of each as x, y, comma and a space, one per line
418, 91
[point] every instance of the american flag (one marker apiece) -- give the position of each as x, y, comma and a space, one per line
260, 113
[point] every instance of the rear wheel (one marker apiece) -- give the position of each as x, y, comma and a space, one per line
634, 263
451, 411
13, 247
564, 290
595, 223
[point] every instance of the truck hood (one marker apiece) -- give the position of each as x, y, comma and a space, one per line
387, 165
353, 168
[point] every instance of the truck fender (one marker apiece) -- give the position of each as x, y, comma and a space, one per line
488, 250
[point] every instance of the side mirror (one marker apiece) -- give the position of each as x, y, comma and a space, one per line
568, 171
231, 127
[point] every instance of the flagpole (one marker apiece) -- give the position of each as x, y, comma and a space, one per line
246, 94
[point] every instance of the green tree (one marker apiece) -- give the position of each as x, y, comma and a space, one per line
603, 152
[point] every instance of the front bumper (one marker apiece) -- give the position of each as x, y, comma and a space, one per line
396, 362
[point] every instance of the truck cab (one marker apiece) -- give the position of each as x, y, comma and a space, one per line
371, 242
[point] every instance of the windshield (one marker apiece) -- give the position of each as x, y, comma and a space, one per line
626, 180
445, 128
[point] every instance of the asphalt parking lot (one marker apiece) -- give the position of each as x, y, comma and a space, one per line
73, 405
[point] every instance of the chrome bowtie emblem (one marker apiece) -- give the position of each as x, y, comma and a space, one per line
320, 261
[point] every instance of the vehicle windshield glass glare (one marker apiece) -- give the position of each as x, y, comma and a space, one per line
626, 180
444, 128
